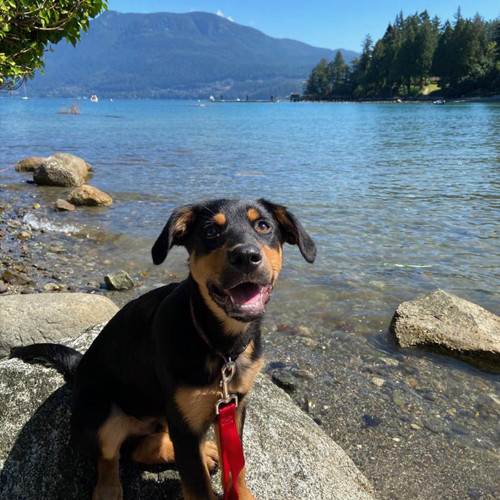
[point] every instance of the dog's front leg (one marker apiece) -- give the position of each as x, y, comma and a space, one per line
190, 459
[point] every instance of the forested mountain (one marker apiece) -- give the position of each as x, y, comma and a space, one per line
415, 55
176, 55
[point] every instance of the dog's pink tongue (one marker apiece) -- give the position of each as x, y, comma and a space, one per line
245, 294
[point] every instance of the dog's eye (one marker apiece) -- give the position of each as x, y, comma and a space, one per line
211, 232
262, 226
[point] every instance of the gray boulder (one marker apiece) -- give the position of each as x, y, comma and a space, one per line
287, 454
62, 169
48, 317
447, 322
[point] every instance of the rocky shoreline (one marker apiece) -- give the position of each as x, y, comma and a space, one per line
412, 422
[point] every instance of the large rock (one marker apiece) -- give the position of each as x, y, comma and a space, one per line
448, 322
48, 317
89, 196
288, 456
29, 164
62, 169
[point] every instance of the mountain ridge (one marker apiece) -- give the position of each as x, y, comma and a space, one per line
190, 55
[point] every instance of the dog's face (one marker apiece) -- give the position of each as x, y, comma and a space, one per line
235, 251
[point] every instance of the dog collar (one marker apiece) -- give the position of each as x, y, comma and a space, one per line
229, 357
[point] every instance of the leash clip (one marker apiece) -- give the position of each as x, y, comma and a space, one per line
227, 371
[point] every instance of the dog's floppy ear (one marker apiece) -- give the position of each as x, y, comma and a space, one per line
292, 230
174, 232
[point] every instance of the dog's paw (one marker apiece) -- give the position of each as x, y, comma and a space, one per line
108, 492
211, 456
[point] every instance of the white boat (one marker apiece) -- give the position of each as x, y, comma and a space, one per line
94, 98
25, 96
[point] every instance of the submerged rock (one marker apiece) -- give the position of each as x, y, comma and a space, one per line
62, 169
445, 321
89, 196
25, 319
61, 205
16, 278
287, 454
29, 164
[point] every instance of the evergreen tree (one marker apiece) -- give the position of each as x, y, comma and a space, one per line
338, 76
361, 67
465, 56
317, 85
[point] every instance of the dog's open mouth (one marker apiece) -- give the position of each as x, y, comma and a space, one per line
245, 300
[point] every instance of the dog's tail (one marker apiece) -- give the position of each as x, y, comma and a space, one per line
64, 359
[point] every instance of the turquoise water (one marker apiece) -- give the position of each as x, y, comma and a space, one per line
401, 199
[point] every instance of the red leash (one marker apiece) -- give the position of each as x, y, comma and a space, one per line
233, 460
232, 457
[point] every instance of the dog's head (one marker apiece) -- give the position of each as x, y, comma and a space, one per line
235, 251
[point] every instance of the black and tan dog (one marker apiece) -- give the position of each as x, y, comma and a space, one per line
153, 373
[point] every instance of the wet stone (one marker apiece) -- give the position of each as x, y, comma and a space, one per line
379, 382
305, 374
285, 380
63, 206
399, 401
371, 420
118, 281
15, 278
436, 425
52, 287
24, 235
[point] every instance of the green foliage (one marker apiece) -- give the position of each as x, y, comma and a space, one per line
463, 56
329, 80
27, 27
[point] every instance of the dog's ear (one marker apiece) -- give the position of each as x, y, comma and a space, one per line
175, 232
292, 230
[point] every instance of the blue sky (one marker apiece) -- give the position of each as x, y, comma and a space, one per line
322, 23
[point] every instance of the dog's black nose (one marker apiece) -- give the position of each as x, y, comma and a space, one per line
245, 257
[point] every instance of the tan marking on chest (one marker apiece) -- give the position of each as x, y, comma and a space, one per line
197, 404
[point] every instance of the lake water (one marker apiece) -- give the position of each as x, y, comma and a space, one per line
401, 199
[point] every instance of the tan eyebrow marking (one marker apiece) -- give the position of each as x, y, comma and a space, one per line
219, 219
253, 214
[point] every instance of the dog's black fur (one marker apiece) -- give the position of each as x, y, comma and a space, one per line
153, 372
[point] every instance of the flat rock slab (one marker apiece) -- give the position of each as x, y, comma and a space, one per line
49, 317
287, 454
450, 323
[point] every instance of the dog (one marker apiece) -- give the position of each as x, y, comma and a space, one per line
152, 376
